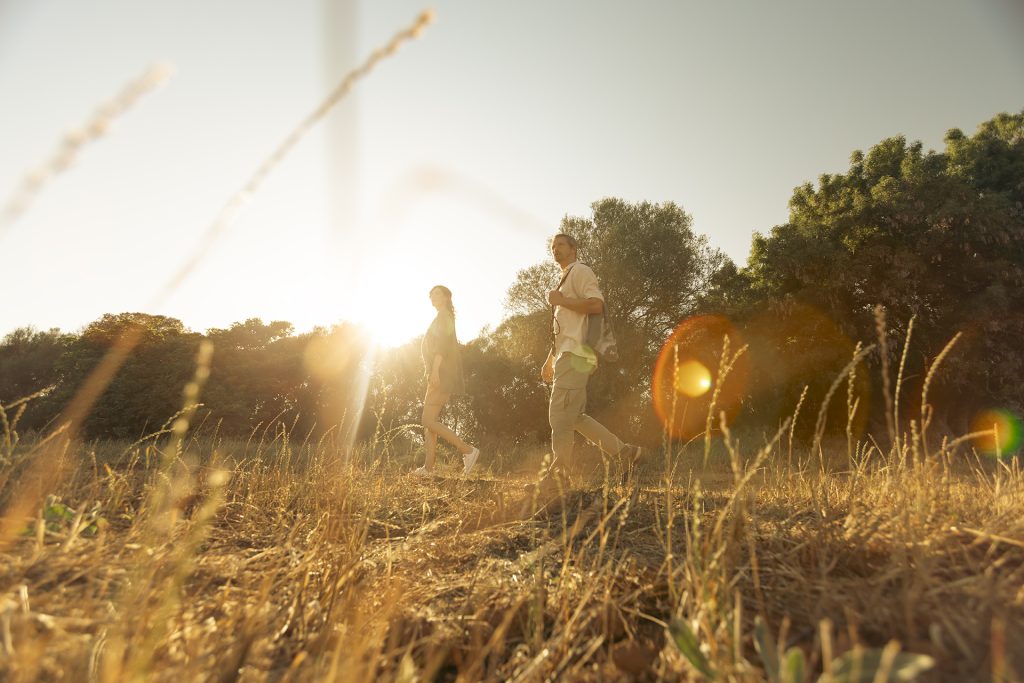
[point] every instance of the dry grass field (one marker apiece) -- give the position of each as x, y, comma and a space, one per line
275, 560
189, 557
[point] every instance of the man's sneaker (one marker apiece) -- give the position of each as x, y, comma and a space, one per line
421, 472
469, 459
630, 453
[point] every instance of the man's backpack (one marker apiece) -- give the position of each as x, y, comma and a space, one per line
601, 337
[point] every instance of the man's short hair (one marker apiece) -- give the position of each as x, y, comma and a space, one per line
568, 238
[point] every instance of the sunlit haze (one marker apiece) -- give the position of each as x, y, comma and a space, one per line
453, 162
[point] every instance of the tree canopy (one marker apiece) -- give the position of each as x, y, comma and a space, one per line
934, 235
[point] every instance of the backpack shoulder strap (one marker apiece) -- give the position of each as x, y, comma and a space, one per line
559, 287
565, 277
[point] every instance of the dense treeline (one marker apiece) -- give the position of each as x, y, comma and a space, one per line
933, 236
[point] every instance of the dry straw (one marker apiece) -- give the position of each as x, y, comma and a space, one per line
899, 384
819, 427
74, 141
926, 408
725, 366
883, 350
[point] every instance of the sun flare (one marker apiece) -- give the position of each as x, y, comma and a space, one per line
392, 310
391, 326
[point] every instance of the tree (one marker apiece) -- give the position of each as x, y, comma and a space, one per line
508, 400
28, 359
936, 235
146, 391
255, 372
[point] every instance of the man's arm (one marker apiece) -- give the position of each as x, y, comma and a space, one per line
588, 306
547, 371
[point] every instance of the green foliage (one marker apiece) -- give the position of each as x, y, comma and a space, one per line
55, 512
28, 359
395, 393
793, 666
508, 398
528, 294
864, 666
255, 373
765, 647
686, 641
57, 517
937, 235
145, 391
859, 665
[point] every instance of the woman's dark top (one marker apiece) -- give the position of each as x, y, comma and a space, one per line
440, 340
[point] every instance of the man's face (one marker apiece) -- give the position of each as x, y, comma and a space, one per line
562, 251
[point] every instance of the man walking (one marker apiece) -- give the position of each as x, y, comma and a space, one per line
570, 363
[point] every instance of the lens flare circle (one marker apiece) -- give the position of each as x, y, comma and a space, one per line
798, 345
692, 379
1000, 435
685, 374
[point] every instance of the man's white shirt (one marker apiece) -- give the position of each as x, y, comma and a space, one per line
570, 327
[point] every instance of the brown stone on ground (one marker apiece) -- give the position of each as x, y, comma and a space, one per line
635, 656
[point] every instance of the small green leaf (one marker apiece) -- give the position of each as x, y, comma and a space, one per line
793, 666
861, 666
686, 641
56, 512
764, 643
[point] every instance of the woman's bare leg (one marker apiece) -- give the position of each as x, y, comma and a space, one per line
433, 426
430, 446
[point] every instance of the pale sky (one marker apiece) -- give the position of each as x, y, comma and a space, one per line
454, 161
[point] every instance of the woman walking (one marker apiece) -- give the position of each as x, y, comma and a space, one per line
443, 364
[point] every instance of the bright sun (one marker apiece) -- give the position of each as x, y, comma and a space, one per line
388, 330
392, 310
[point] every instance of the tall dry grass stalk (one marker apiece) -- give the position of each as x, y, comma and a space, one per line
820, 423
883, 351
926, 408
725, 366
792, 425
899, 386
74, 141
852, 404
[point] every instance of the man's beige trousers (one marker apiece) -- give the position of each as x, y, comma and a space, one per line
565, 412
